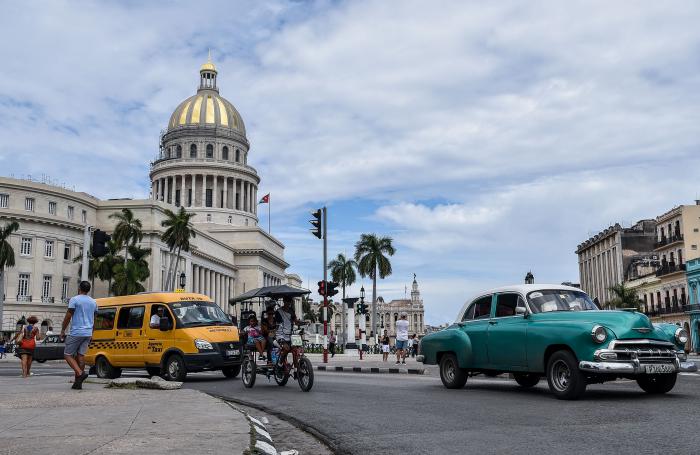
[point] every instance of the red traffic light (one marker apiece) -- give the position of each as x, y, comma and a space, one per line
322, 287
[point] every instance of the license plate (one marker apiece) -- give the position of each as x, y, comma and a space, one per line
233, 352
663, 368
296, 340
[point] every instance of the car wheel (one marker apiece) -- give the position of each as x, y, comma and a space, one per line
105, 370
565, 379
153, 371
657, 383
452, 376
40, 360
231, 372
175, 369
526, 379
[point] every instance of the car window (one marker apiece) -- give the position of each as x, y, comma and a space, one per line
469, 314
480, 309
104, 318
507, 303
131, 318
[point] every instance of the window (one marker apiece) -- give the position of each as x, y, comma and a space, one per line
208, 198
48, 248
65, 286
208, 217
230, 219
131, 318
84, 216
70, 212
104, 318
46, 287
693, 247
4, 201
506, 304
52, 208
66, 252
224, 153
480, 309
29, 204
23, 286
178, 151
25, 248
193, 151
210, 151
238, 156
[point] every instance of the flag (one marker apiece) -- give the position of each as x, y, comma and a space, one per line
265, 199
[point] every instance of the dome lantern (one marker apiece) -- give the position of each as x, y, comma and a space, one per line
207, 75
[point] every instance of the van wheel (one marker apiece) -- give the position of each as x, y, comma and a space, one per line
175, 369
231, 372
105, 370
153, 371
565, 379
452, 376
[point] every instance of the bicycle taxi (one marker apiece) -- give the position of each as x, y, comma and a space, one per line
257, 303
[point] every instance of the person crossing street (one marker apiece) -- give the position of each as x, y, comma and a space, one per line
81, 317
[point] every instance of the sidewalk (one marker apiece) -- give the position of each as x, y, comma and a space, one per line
43, 415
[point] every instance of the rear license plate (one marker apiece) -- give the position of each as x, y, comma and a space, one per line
233, 352
663, 368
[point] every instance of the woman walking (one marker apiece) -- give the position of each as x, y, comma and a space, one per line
385, 346
26, 343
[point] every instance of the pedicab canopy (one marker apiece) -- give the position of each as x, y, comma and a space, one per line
270, 292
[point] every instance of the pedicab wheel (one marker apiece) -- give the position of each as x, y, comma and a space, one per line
281, 377
248, 372
305, 374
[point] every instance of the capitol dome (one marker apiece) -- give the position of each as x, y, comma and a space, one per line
206, 108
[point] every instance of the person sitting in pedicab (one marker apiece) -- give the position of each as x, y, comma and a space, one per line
268, 327
255, 337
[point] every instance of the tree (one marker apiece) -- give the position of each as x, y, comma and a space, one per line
343, 272
370, 253
331, 311
106, 264
128, 276
308, 312
7, 259
177, 236
127, 231
93, 267
624, 297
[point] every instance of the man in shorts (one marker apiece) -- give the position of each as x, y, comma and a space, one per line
81, 317
401, 338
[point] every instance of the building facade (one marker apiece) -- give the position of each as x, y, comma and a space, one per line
693, 307
202, 166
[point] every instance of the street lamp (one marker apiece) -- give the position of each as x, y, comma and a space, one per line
362, 294
183, 281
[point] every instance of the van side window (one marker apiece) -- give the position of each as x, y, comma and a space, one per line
104, 318
131, 317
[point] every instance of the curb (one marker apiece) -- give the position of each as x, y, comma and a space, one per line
260, 439
374, 370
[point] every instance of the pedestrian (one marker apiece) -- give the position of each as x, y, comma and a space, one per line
414, 347
26, 343
409, 347
385, 346
401, 338
331, 343
81, 317
2, 347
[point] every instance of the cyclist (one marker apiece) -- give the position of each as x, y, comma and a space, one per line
285, 318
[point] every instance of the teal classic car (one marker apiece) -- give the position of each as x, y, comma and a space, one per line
557, 332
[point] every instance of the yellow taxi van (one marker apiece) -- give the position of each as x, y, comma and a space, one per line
167, 333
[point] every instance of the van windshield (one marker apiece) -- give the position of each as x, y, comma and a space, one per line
196, 314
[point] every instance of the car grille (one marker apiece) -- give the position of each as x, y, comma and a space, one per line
646, 351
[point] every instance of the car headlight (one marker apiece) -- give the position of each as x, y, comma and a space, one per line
599, 334
681, 336
203, 344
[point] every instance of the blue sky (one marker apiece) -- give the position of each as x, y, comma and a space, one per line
486, 139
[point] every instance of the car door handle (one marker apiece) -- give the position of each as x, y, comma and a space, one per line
493, 322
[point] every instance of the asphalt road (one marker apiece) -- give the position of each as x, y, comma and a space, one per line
410, 414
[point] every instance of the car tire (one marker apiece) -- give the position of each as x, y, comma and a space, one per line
565, 380
657, 383
105, 370
174, 369
452, 376
526, 380
153, 371
231, 372
40, 360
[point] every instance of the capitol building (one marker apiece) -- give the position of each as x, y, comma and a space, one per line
202, 166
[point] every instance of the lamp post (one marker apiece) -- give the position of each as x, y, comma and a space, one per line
183, 280
362, 322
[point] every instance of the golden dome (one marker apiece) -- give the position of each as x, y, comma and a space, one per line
206, 109
209, 66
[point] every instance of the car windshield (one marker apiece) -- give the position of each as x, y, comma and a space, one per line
196, 313
548, 300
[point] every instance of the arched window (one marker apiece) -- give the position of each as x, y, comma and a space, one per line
208, 217
210, 151
178, 151
224, 153
245, 159
193, 151
238, 156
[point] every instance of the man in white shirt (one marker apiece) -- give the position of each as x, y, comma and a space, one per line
401, 338
155, 319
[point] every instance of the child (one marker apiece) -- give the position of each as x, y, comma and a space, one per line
255, 337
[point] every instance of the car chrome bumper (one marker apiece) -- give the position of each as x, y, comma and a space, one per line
420, 358
629, 367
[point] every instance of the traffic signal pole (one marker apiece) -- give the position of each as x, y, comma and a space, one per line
86, 248
325, 280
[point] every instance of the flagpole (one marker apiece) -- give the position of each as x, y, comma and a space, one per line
268, 216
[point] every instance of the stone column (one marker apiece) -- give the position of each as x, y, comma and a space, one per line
214, 190
167, 189
212, 290
195, 278
225, 192
201, 280
234, 193
183, 200
204, 190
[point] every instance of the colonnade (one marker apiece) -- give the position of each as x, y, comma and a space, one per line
192, 190
216, 285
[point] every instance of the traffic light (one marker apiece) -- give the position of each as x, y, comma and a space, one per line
99, 240
322, 287
331, 289
361, 308
316, 223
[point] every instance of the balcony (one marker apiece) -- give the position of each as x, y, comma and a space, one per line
670, 267
47, 299
667, 241
664, 310
691, 308
24, 298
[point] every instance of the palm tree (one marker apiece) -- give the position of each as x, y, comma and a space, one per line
127, 231
624, 297
106, 264
343, 272
370, 253
7, 259
177, 237
93, 267
128, 277
308, 312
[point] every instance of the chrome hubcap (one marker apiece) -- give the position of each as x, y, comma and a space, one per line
561, 375
449, 371
173, 368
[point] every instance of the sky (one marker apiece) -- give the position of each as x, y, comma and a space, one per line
487, 139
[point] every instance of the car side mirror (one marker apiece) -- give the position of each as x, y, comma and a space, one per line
521, 311
165, 324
